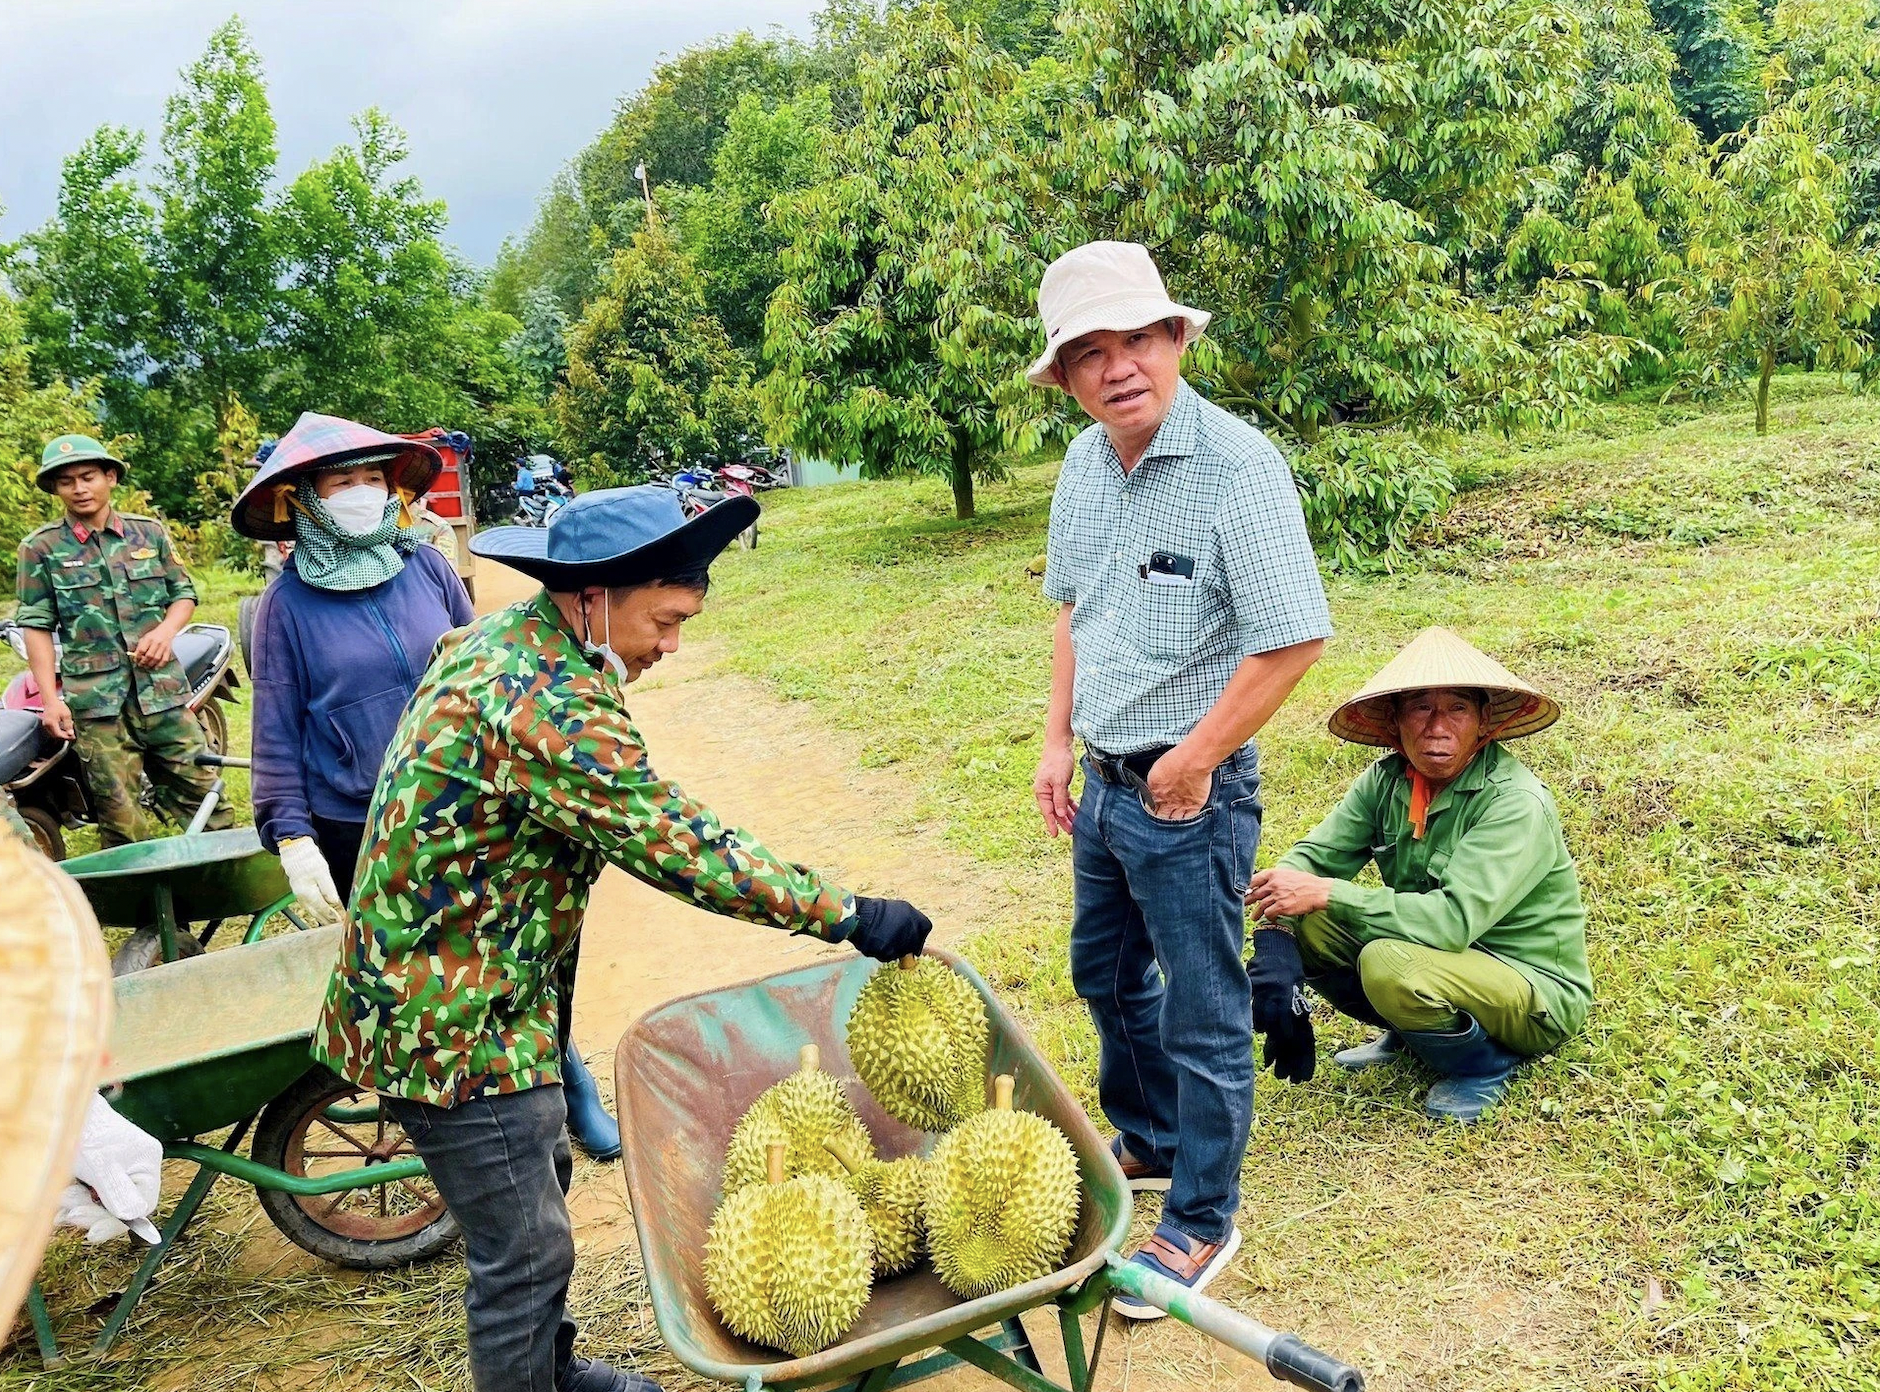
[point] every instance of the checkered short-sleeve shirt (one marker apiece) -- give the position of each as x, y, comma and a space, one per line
1153, 655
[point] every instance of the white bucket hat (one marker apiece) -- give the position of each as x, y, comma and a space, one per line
1104, 285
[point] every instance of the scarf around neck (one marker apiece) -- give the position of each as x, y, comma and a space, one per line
331, 559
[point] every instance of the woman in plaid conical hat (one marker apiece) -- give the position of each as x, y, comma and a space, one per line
1472, 954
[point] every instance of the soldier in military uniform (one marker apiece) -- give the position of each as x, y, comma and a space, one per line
515, 775
109, 584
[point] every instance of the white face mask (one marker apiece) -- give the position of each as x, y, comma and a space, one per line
604, 649
358, 509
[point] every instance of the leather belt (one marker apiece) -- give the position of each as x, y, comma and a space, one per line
1131, 769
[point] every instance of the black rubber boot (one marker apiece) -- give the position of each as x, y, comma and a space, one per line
1475, 1070
593, 1129
1386, 1048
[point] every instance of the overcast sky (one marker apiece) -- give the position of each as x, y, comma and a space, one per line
495, 94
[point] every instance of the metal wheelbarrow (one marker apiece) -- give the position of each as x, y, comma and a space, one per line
160, 887
220, 1041
687, 1071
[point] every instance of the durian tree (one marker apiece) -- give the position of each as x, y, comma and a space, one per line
867, 367
1776, 275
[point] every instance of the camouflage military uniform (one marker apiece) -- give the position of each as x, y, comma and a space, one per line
515, 776
101, 591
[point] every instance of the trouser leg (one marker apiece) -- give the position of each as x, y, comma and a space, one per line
1422, 990
339, 844
1329, 954
1187, 878
171, 740
113, 765
1114, 970
502, 1166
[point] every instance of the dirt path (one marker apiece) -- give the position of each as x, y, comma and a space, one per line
768, 766
764, 765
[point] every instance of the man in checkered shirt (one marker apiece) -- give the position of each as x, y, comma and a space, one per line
1191, 607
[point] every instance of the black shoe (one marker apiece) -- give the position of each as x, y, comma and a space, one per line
592, 1375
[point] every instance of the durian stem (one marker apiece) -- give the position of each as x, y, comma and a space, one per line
909, 962
1002, 1093
773, 1161
809, 1057
843, 1153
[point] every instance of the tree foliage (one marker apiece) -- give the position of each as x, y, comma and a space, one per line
767, 152
652, 378
181, 303
1775, 275
868, 362
29, 416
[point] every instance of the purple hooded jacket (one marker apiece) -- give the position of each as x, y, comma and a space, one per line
332, 674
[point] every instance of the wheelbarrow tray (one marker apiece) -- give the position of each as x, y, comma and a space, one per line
213, 874
686, 1072
206, 1042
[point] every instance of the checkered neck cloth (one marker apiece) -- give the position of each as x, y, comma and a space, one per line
1153, 655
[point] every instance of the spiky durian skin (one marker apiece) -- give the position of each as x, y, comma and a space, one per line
918, 1038
1001, 1204
802, 1112
893, 1194
789, 1265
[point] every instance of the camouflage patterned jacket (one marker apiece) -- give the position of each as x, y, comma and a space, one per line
515, 775
100, 592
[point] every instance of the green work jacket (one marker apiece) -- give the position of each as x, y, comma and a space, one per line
1491, 872
101, 591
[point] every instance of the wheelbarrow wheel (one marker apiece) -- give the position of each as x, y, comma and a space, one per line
144, 949
323, 1124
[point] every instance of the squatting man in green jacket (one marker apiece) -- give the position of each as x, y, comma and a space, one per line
1472, 953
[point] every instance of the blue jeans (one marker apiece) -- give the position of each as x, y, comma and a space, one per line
1156, 942
502, 1165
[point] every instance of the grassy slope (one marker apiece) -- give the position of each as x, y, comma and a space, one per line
1677, 1198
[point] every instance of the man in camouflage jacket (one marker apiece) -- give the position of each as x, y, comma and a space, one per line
109, 584
516, 775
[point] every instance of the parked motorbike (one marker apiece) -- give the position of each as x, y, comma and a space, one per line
538, 509
740, 481
42, 771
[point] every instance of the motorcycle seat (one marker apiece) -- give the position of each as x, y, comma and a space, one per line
22, 740
199, 648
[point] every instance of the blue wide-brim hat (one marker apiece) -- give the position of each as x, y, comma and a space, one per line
618, 536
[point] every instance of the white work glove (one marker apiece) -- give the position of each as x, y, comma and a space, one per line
119, 1170
311, 880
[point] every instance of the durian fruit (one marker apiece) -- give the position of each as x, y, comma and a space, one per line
801, 1112
1002, 1197
892, 1193
787, 1262
918, 1037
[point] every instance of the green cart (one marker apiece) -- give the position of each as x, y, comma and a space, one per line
160, 888
687, 1071
219, 1042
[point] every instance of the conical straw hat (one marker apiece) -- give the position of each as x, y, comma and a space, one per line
1436, 657
55, 1021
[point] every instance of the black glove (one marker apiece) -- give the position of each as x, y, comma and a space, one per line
1278, 978
888, 929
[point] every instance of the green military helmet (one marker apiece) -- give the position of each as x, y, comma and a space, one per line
74, 449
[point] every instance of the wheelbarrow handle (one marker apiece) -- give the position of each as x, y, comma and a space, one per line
1285, 1356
